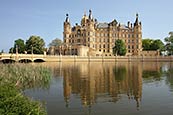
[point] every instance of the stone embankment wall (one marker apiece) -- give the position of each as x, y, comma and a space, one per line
107, 59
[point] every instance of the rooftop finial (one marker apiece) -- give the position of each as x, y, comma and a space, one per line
90, 11
136, 15
67, 18
90, 14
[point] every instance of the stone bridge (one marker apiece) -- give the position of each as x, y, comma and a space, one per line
11, 57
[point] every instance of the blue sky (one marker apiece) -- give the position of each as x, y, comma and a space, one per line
23, 18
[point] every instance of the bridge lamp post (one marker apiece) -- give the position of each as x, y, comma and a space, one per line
31, 49
59, 50
16, 49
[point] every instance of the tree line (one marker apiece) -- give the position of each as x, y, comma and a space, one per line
150, 44
36, 45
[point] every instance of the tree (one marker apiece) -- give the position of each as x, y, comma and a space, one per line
56, 42
157, 45
19, 45
35, 44
150, 44
2, 51
169, 43
146, 44
119, 48
11, 50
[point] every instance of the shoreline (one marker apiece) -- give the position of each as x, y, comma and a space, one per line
73, 58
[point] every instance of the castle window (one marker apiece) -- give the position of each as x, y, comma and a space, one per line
128, 35
108, 45
136, 35
132, 47
104, 46
78, 33
137, 46
100, 46
128, 46
128, 41
137, 41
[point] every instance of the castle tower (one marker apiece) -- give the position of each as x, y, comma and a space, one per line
91, 30
84, 20
67, 30
138, 34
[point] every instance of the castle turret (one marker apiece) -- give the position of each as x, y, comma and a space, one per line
137, 24
91, 21
84, 20
91, 30
67, 29
138, 35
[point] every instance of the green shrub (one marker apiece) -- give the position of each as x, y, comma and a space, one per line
13, 79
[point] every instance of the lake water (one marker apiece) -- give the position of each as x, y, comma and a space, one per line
108, 88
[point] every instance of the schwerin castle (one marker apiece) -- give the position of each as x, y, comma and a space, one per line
92, 38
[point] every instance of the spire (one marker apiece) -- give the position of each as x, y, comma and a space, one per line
85, 13
137, 20
67, 18
90, 14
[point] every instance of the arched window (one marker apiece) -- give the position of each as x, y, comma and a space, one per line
78, 33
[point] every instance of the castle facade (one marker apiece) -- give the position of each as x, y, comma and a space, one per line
92, 38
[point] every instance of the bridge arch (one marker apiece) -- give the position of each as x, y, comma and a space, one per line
25, 61
8, 61
39, 60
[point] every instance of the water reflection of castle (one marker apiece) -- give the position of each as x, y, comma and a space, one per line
102, 80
